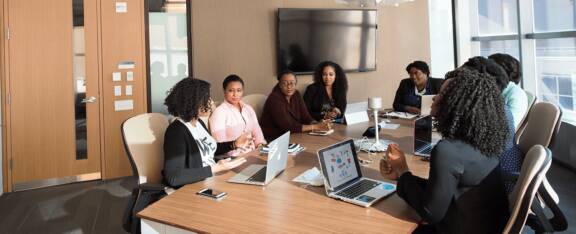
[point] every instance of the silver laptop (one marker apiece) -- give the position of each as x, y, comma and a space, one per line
343, 177
423, 136
426, 104
258, 174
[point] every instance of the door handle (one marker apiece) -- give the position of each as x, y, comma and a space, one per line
89, 100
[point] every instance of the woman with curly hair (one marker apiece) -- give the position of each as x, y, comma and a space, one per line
464, 192
188, 147
511, 157
409, 93
326, 97
514, 97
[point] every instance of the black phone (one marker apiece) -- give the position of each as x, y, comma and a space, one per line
370, 131
211, 193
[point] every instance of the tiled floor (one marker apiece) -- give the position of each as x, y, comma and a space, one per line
97, 207
89, 207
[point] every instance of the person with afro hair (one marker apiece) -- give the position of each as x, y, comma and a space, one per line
464, 192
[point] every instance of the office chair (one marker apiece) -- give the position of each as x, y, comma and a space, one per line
143, 137
256, 101
542, 125
531, 100
535, 165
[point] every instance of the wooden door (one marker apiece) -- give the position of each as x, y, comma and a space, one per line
45, 52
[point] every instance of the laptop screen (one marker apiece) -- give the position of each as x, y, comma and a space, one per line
422, 132
339, 164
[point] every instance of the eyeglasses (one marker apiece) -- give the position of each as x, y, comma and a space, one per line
288, 83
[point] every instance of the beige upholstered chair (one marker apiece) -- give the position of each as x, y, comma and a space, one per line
256, 101
542, 124
302, 85
531, 100
143, 137
536, 164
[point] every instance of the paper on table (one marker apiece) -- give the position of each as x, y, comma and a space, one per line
402, 115
322, 133
384, 125
311, 176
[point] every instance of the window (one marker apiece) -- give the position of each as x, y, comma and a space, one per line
540, 33
168, 44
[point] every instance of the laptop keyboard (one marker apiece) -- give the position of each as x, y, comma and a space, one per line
427, 150
259, 176
358, 188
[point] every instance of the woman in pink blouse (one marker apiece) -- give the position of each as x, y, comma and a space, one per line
233, 117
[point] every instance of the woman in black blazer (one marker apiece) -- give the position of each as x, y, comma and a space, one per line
464, 192
188, 147
408, 96
326, 97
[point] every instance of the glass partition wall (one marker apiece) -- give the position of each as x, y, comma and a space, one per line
169, 48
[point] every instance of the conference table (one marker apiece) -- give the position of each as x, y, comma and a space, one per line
284, 206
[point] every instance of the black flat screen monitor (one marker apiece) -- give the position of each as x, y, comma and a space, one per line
306, 37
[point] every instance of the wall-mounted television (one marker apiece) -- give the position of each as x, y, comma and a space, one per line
306, 37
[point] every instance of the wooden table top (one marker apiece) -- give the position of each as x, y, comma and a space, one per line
286, 206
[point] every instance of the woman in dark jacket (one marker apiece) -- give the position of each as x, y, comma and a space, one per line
409, 93
326, 97
285, 110
188, 147
464, 192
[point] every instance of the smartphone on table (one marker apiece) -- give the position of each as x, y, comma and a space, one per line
213, 194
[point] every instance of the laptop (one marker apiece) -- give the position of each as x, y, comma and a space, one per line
343, 178
258, 174
423, 136
426, 104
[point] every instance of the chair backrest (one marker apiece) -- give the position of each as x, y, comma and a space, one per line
256, 101
541, 126
531, 100
143, 137
536, 164
303, 84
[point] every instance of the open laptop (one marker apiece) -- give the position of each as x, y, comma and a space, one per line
343, 178
426, 104
258, 174
423, 136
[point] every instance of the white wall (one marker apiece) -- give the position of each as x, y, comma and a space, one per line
239, 36
441, 38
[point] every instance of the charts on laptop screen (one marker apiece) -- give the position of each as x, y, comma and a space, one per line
422, 132
340, 165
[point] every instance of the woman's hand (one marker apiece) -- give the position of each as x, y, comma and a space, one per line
394, 165
227, 164
324, 125
243, 140
332, 114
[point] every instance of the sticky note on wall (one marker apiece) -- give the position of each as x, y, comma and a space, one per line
116, 76
121, 105
128, 90
129, 76
117, 90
